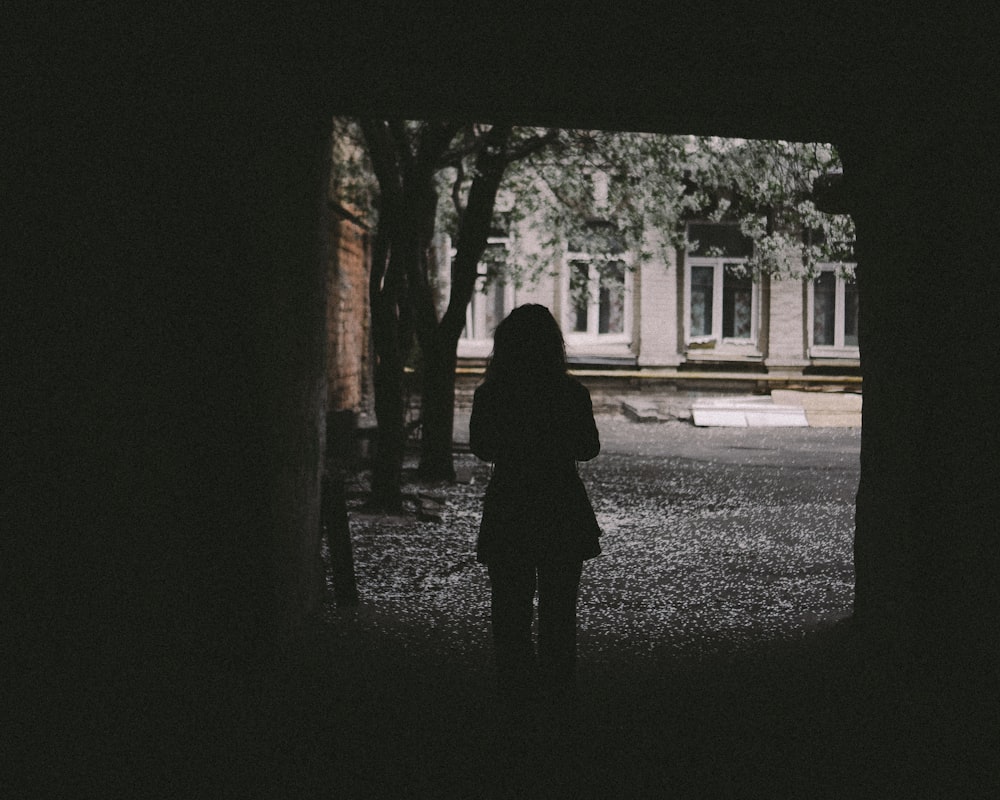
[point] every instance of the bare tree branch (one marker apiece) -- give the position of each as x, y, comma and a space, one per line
468, 145
401, 138
491, 162
384, 157
435, 140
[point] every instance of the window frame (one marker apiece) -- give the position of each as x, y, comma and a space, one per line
591, 335
718, 263
838, 349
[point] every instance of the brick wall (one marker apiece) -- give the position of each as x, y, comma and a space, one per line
348, 320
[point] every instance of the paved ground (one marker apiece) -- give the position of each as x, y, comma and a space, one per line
821, 448
713, 538
712, 664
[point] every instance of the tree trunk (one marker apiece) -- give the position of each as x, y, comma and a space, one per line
405, 164
338, 538
391, 338
440, 340
387, 469
438, 410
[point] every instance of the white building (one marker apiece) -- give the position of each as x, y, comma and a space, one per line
687, 312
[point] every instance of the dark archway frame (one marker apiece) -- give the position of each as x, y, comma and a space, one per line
169, 431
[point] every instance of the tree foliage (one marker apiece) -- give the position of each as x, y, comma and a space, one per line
654, 183
613, 192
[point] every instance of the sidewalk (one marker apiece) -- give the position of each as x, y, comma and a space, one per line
776, 446
783, 408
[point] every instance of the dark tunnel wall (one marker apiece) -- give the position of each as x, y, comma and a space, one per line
167, 316
926, 550
165, 319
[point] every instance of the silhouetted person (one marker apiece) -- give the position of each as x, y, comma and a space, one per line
534, 422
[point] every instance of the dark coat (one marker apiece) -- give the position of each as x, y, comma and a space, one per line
536, 507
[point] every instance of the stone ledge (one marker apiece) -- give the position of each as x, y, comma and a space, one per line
783, 408
834, 419
819, 401
824, 409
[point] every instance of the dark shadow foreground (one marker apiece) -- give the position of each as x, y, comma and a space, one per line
345, 713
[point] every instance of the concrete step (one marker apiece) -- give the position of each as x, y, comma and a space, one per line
783, 408
824, 409
651, 410
746, 412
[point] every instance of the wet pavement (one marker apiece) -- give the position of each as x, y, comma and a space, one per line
713, 538
714, 656
711, 660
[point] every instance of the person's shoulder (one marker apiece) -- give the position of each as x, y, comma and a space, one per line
485, 391
576, 393
576, 387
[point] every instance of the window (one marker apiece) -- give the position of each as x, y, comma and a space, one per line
597, 299
722, 301
494, 297
834, 310
722, 296
597, 281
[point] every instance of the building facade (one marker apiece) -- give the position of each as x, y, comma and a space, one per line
685, 312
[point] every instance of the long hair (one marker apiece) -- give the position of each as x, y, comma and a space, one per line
528, 347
